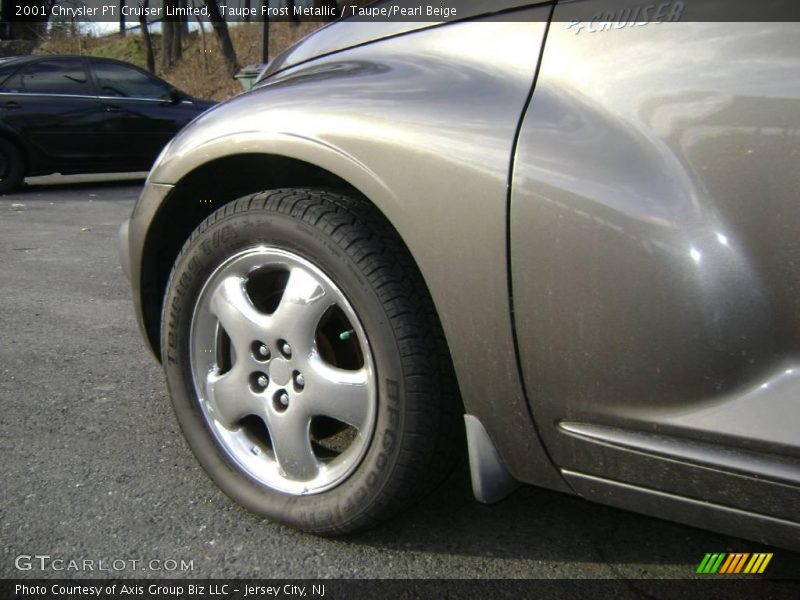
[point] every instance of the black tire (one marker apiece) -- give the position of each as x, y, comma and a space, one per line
418, 433
12, 167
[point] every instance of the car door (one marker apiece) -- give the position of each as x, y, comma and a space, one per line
143, 112
654, 259
51, 105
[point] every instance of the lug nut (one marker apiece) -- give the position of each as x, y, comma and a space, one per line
258, 382
286, 349
280, 401
299, 380
260, 351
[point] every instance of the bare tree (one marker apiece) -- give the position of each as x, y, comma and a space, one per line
292, 15
148, 43
223, 36
202, 39
166, 44
171, 38
184, 20
177, 40
31, 28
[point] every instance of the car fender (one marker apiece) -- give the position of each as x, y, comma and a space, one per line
442, 183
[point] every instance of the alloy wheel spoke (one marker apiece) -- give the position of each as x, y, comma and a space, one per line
230, 397
338, 393
241, 320
303, 304
291, 442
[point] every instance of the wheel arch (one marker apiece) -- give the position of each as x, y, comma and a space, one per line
201, 192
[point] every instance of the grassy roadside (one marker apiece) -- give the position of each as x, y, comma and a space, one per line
201, 72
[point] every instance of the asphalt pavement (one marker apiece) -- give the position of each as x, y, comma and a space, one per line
93, 466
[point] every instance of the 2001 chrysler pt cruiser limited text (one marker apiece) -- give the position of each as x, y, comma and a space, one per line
411, 242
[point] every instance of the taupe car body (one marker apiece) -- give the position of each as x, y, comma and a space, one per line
607, 224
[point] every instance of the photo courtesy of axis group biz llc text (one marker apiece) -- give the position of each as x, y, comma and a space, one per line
399, 298
169, 590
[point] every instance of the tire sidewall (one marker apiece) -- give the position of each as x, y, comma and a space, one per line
344, 506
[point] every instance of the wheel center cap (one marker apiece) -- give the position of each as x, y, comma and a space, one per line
280, 371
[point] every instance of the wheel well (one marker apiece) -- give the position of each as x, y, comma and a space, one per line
199, 194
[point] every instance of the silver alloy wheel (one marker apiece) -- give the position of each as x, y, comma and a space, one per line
283, 371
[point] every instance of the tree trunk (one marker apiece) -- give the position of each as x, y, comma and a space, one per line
184, 21
121, 18
166, 44
223, 36
202, 39
148, 43
294, 18
265, 40
177, 41
171, 29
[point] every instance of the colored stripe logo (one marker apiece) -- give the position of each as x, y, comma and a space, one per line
734, 563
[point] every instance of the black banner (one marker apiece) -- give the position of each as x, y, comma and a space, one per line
217, 589
382, 11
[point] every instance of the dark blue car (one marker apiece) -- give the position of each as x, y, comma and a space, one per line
79, 114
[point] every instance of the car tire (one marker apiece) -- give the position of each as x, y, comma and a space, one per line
12, 167
377, 406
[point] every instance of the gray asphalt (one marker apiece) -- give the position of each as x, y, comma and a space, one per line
93, 466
